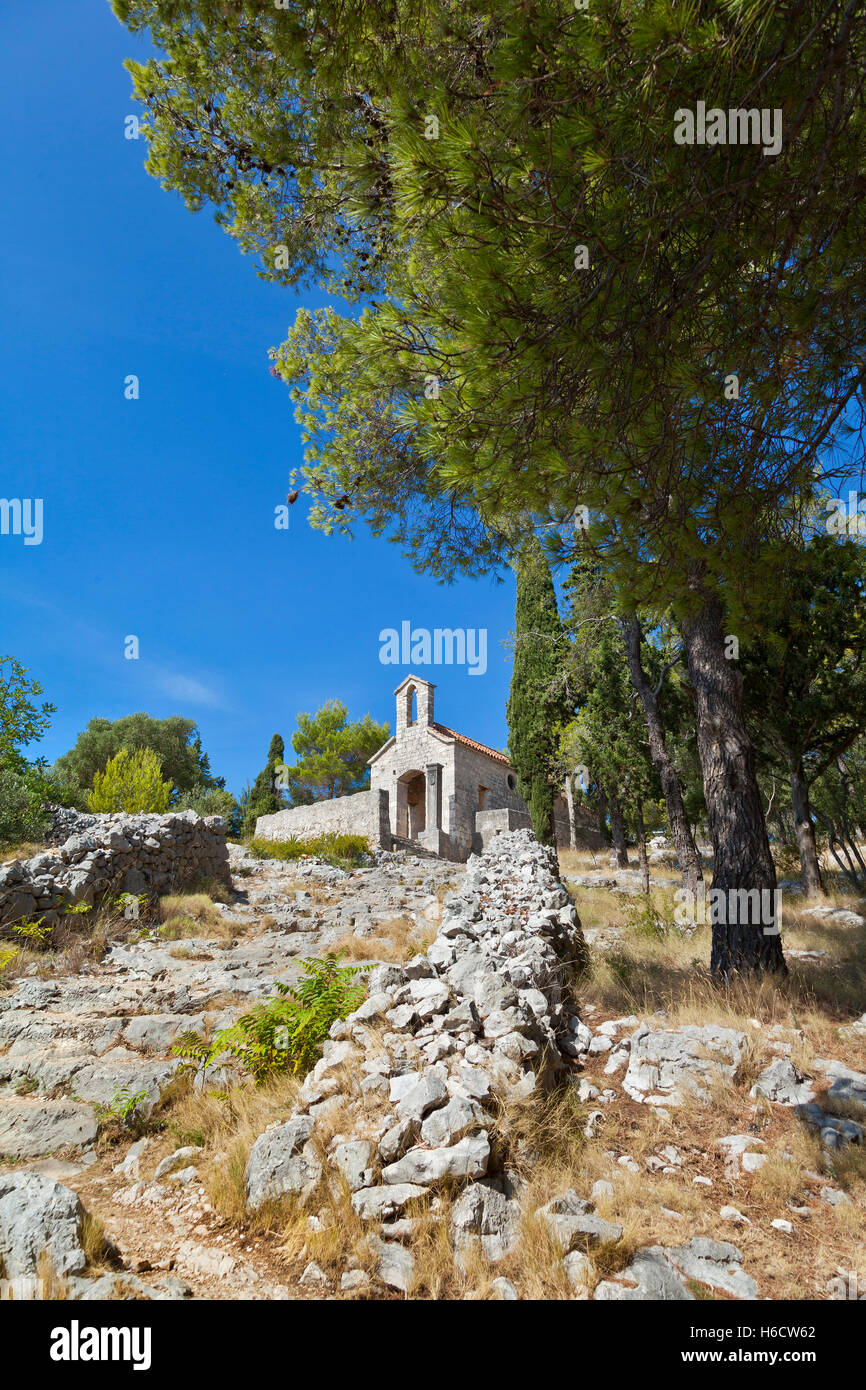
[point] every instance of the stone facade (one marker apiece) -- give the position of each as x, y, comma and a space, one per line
430, 786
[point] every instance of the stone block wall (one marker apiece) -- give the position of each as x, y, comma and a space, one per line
362, 813
418, 1073
118, 854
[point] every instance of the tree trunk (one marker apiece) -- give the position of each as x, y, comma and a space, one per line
688, 859
617, 831
849, 838
784, 833
641, 848
602, 817
809, 863
572, 816
745, 929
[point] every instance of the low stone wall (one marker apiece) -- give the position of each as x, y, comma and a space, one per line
119, 854
66, 821
415, 1077
363, 813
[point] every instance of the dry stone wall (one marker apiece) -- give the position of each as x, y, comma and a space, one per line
116, 854
413, 1077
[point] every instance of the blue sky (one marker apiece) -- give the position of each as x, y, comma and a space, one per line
159, 512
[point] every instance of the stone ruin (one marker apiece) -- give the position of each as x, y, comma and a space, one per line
115, 854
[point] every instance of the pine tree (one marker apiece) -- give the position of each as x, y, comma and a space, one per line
537, 703
332, 754
265, 797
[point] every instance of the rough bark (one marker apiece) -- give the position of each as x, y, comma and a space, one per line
688, 858
617, 831
641, 848
804, 827
742, 859
572, 816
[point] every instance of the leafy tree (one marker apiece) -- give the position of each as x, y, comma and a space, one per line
537, 704
265, 796
838, 800
623, 266
332, 754
591, 613
21, 719
214, 802
175, 741
132, 782
22, 816
805, 677
612, 738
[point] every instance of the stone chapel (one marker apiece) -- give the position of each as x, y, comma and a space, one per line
431, 788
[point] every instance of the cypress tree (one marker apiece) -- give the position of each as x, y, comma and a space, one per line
265, 799
537, 704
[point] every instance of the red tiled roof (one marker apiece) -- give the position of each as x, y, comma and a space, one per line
473, 743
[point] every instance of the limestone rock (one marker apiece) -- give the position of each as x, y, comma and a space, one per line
665, 1064
29, 1128
380, 1203
783, 1083
649, 1279
281, 1162
573, 1223
38, 1217
483, 1213
395, 1264
465, 1159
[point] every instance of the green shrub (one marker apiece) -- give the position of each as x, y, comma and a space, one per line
21, 815
787, 859
644, 919
213, 802
132, 782
59, 791
285, 1033
7, 955
344, 851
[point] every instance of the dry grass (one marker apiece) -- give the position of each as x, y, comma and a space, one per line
27, 849
94, 1241
77, 940
227, 1125
194, 914
395, 941
212, 888
806, 1013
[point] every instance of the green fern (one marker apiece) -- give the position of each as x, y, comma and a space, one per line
284, 1033
33, 931
124, 1104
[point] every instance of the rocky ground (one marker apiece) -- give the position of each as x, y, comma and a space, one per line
68, 1044
690, 1132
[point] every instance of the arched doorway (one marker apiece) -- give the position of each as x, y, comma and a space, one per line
411, 804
